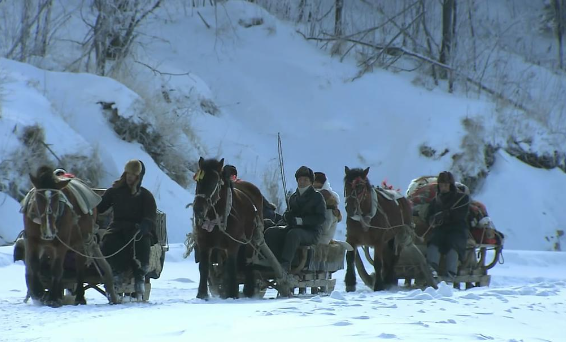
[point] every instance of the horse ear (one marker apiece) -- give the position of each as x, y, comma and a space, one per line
62, 184
346, 169
366, 172
220, 165
200, 162
33, 180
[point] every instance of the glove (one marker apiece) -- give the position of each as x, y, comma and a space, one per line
144, 227
290, 219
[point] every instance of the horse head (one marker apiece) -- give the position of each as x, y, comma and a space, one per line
356, 189
48, 200
209, 182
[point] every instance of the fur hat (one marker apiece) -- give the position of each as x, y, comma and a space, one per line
230, 170
304, 171
445, 177
320, 177
133, 167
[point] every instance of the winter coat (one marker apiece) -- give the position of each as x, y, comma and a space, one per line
130, 211
448, 214
310, 207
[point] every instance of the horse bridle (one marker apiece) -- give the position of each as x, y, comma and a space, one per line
214, 196
48, 194
354, 193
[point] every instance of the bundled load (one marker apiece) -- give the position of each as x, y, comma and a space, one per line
422, 191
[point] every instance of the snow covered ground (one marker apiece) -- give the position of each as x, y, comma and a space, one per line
525, 302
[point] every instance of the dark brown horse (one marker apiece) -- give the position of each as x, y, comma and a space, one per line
226, 218
53, 224
386, 227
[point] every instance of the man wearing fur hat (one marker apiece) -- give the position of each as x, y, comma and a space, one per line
447, 215
304, 216
332, 199
134, 213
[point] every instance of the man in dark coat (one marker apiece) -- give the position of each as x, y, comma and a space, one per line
447, 215
305, 215
268, 208
134, 211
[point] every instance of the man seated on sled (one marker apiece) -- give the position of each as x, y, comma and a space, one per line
304, 216
269, 213
134, 214
447, 215
332, 199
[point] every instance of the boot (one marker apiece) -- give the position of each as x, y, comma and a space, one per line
139, 284
139, 287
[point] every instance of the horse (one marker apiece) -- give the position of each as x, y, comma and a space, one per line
385, 225
53, 225
227, 218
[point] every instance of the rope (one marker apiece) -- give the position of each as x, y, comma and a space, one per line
102, 257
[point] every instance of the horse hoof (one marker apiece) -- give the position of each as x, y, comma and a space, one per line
54, 304
202, 296
350, 288
80, 302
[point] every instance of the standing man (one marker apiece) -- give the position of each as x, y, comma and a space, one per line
304, 217
133, 224
447, 216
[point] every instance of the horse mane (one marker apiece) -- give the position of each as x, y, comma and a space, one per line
354, 173
45, 178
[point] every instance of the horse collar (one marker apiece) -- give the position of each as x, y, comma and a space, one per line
374, 204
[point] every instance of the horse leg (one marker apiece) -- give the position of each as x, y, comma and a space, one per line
203, 268
230, 280
377, 265
55, 290
250, 280
34, 285
350, 278
80, 290
389, 261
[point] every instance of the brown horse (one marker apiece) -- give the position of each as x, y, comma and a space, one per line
386, 226
54, 224
226, 218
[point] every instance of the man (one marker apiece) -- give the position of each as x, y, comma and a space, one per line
332, 199
447, 216
134, 214
305, 215
268, 208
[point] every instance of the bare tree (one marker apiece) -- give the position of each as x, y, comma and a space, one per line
559, 7
115, 28
40, 19
338, 6
447, 29
43, 27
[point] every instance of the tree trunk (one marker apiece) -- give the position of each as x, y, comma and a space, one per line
560, 13
301, 10
339, 5
100, 39
26, 26
447, 10
471, 5
42, 28
431, 54
452, 47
